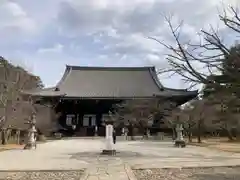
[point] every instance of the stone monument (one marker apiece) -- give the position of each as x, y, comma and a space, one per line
109, 146
31, 141
96, 131
179, 142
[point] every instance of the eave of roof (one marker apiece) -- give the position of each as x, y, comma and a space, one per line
180, 92
46, 92
159, 89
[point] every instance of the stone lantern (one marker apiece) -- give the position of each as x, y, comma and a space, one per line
179, 142
31, 141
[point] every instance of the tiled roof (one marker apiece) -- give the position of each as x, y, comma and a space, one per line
110, 82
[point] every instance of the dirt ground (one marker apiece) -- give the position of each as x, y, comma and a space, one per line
220, 144
10, 147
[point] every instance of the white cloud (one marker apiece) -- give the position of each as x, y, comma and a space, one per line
153, 58
57, 48
12, 16
128, 23
122, 26
117, 5
99, 32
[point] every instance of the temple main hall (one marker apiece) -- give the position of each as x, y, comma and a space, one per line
83, 97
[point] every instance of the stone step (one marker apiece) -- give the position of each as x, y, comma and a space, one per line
120, 172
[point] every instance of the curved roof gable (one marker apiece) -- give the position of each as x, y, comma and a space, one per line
103, 82
111, 82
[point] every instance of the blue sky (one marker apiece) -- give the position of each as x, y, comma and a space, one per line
45, 35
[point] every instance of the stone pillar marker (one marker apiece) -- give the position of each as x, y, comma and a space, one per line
109, 146
31, 142
123, 133
96, 131
109, 137
179, 142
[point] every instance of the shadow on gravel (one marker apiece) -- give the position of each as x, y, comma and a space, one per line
212, 173
119, 154
88, 156
153, 144
166, 147
217, 176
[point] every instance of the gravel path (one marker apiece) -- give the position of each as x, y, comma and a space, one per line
55, 159
215, 173
42, 175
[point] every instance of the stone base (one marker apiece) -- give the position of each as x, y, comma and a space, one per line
30, 146
180, 143
58, 135
109, 152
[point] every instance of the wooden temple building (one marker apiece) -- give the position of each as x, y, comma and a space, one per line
84, 96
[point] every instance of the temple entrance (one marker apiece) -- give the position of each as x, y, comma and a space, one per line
83, 117
88, 93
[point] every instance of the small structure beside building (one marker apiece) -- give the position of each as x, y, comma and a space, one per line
32, 132
84, 96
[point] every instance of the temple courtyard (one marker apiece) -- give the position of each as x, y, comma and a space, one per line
81, 159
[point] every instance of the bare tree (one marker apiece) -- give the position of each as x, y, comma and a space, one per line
196, 118
225, 107
188, 120
142, 113
136, 113
208, 52
13, 81
202, 61
201, 115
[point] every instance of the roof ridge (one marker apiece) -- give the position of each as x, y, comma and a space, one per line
109, 67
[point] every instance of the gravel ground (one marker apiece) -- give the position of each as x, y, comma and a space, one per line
214, 173
41, 175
